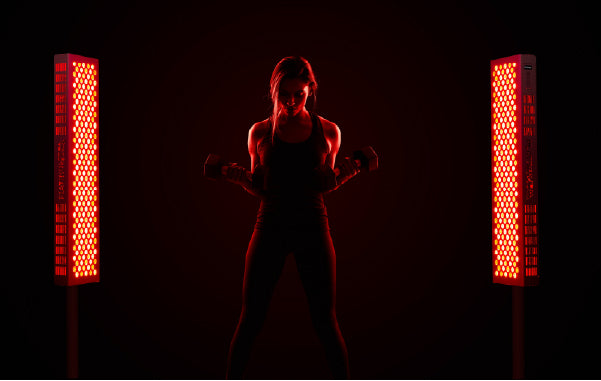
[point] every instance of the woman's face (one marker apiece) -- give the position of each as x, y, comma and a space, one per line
292, 96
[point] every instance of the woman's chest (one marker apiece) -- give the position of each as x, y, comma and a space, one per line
278, 154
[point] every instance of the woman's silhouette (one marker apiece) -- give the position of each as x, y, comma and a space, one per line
290, 147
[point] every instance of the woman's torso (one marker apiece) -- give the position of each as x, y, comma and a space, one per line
291, 198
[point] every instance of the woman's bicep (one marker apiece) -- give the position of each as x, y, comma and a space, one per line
335, 139
331, 160
252, 147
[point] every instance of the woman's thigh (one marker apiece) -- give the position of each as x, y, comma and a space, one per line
265, 260
316, 263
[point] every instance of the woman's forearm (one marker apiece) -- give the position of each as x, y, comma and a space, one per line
253, 189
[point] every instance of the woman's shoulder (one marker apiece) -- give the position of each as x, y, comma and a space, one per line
259, 129
331, 133
330, 129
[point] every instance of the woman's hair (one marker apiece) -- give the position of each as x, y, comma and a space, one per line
290, 68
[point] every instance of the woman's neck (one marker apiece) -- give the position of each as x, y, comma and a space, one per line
300, 119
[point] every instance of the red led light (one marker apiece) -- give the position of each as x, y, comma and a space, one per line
76, 170
514, 188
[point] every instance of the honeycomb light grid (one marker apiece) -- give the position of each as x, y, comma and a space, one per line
505, 171
84, 145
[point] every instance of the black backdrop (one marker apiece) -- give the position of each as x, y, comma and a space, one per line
413, 240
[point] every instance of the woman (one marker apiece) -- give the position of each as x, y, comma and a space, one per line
291, 148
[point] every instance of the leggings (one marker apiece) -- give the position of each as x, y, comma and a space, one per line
316, 263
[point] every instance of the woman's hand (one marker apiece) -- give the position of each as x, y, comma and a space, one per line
238, 175
348, 168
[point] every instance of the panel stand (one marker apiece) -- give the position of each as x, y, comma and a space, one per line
518, 332
72, 332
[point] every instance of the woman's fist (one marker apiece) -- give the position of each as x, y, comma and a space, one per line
348, 168
236, 174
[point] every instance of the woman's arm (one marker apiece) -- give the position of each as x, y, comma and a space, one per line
334, 138
254, 135
347, 166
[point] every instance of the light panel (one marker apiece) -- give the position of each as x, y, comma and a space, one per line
514, 171
76, 174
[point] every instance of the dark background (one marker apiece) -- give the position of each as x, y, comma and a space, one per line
413, 240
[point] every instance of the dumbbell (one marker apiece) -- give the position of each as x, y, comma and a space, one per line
216, 168
365, 158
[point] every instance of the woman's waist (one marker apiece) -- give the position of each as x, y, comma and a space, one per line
288, 207
292, 220
293, 211
306, 202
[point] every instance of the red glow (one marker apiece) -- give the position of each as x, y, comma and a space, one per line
513, 161
76, 170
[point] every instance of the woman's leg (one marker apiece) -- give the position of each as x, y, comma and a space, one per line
265, 260
316, 262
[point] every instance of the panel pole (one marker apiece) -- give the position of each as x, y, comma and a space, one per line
72, 332
518, 332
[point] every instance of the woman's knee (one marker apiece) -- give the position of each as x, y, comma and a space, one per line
325, 321
251, 320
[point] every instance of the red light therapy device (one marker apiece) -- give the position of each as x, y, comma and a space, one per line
515, 259
76, 171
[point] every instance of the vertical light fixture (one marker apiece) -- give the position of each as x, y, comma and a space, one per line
76, 187
515, 207
515, 255
76, 170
